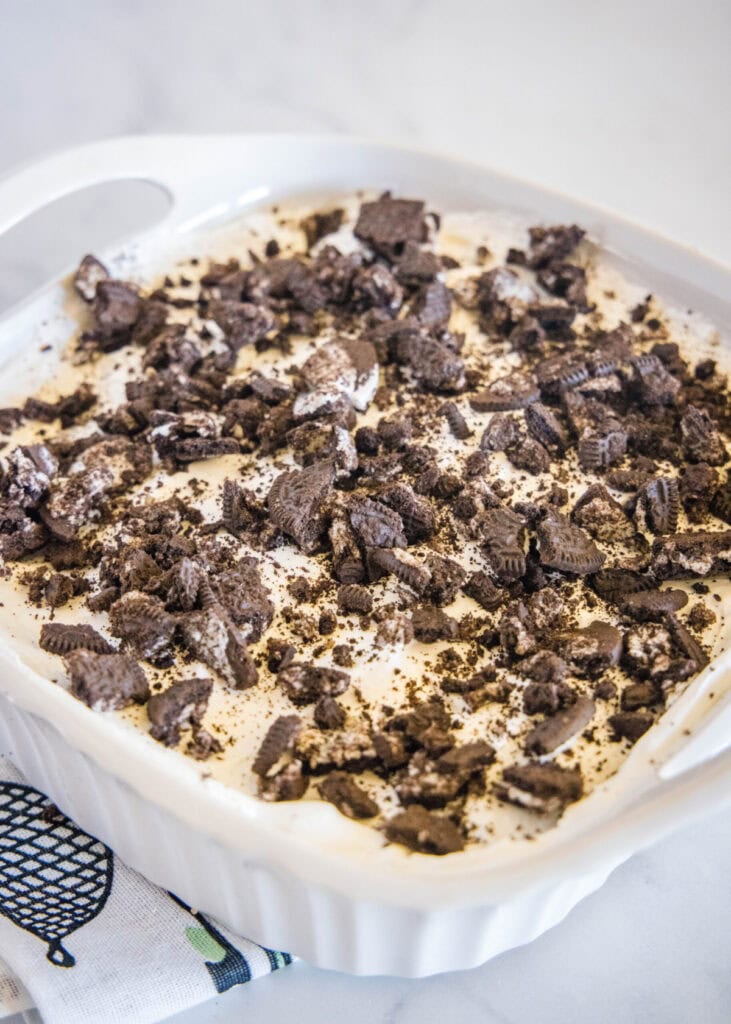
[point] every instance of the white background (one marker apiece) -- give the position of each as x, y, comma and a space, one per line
625, 104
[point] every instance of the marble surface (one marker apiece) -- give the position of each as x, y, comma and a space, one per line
623, 104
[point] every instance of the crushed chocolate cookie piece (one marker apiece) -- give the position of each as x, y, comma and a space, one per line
329, 714
482, 589
423, 782
394, 434
279, 654
382, 561
504, 535
242, 323
639, 695
354, 598
467, 684
194, 449
343, 791
699, 490
180, 706
560, 727
375, 525
416, 266
613, 585
543, 667
545, 426
351, 750
466, 759
367, 441
446, 578
566, 547
687, 643
630, 725
296, 501
286, 784
457, 423
432, 624
348, 564
529, 455
649, 605
391, 749
593, 648
280, 738
395, 630
659, 504
545, 788
211, 637
546, 698
653, 383
143, 625
501, 433
432, 306
89, 273
601, 516
701, 617
320, 224
306, 683
60, 638
106, 682
552, 244
566, 281
103, 600
687, 555
117, 306
701, 439
647, 649
417, 515
513, 391
388, 224
424, 832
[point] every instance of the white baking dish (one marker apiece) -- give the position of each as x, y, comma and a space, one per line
287, 875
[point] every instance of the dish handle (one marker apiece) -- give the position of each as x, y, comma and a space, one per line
164, 161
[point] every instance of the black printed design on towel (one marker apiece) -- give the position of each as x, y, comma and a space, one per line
226, 965
54, 878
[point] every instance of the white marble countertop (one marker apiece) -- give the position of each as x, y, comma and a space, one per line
623, 104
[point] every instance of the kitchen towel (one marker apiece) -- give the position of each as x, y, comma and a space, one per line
86, 939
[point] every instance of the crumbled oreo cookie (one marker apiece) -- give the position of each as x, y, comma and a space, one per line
424, 832
566, 547
286, 784
545, 788
592, 649
630, 725
653, 605
296, 500
320, 224
504, 537
343, 791
432, 624
59, 638
457, 423
328, 714
88, 275
514, 391
209, 635
280, 738
306, 683
106, 682
144, 627
559, 728
689, 555
181, 706
388, 224
701, 439
659, 504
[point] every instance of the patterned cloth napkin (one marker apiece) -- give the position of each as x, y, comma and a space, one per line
84, 938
